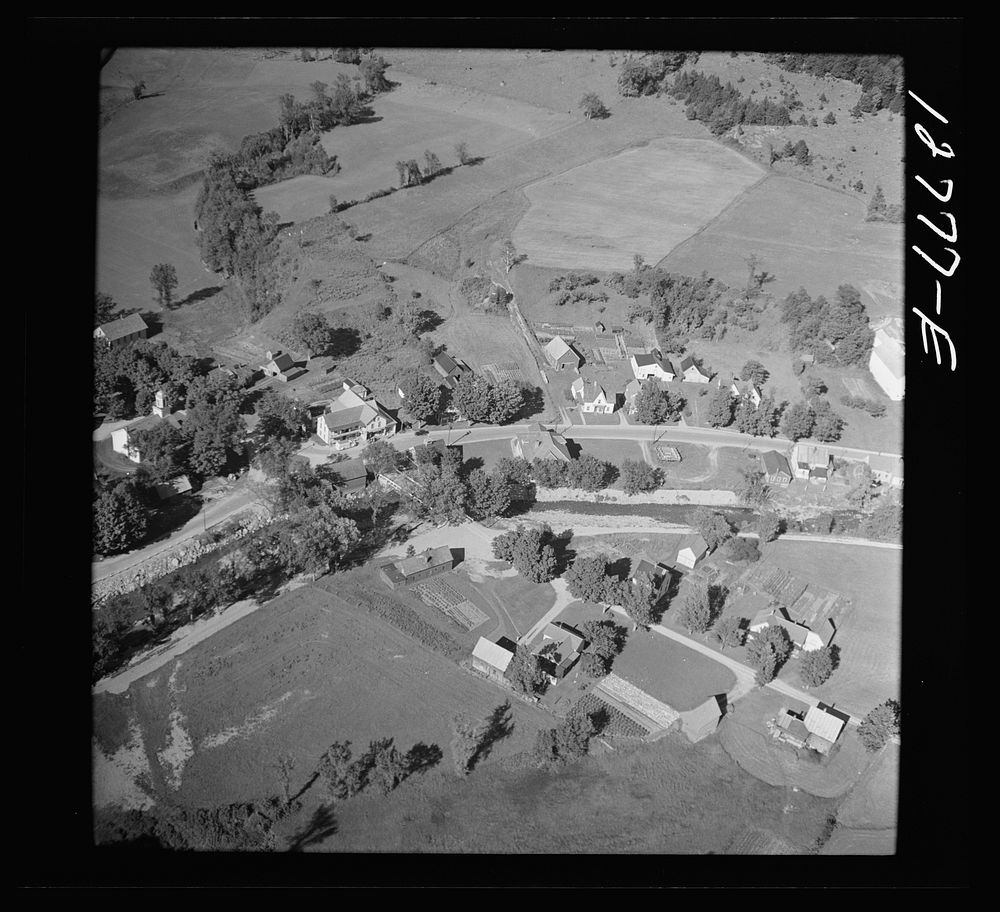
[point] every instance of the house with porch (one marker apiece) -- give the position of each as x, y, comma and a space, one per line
811, 462
592, 397
124, 441
540, 443
745, 389
354, 417
559, 649
801, 636
777, 471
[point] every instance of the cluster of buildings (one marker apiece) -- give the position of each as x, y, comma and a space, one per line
816, 728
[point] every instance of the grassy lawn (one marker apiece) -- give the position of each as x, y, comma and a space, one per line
670, 672
519, 601
614, 451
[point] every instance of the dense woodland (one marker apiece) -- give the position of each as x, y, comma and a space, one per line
721, 107
880, 76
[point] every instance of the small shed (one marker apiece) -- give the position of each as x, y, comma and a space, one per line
703, 720
693, 548
491, 658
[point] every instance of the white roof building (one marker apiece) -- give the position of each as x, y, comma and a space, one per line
492, 654
888, 356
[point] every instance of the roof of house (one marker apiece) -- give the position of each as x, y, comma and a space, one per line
179, 485
649, 568
281, 362
745, 387
694, 543
645, 359
889, 464
818, 472
795, 727
820, 720
571, 640
706, 713
826, 631
796, 632
557, 347
775, 462
891, 355
351, 470
591, 390
543, 443
432, 557
428, 450
346, 417
812, 455
123, 326
493, 653
444, 364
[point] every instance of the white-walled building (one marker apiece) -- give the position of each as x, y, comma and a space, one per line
888, 355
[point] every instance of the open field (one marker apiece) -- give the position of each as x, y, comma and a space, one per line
744, 735
291, 678
670, 672
667, 797
805, 235
869, 639
661, 194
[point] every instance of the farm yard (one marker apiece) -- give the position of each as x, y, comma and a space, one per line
744, 734
663, 193
869, 641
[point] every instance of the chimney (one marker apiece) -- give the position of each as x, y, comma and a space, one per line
270, 355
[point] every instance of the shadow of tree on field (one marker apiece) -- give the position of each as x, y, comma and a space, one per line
422, 757
202, 294
321, 826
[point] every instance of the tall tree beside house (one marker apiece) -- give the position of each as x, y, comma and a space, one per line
606, 640
280, 417
880, 726
164, 281
104, 309
655, 405
711, 525
381, 457
767, 650
816, 666
756, 420
119, 520
639, 476
755, 372
160, 447
798, 421
827, 424
696, 612
587, 578
312, 332
524, 671
640, 600
215, 432
730, 631
422, 396
720, 408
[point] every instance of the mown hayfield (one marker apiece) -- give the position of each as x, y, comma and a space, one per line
670, 672
667, 797
644, 200
805, 236
291, 678
869, 638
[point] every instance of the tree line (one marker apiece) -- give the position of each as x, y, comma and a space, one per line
879, 75
721, 107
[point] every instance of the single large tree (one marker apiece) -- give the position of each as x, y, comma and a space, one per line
639, 476
489, 494
880, 726
696, 612
588, 473
422, 396
373, 73
586, 578
816, 666
592, 106
656, 405
730, 631
524, 671
312, 332
797, 421
119, 520
711, 525
755, 372
720, 408
767, 650
164, 281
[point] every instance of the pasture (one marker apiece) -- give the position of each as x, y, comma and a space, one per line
805, 236
291, 679
665, 797
660, 194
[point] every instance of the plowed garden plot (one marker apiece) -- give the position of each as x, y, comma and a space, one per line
295, 676
670, 672
645, 200
618, 725
869, 637
438, 594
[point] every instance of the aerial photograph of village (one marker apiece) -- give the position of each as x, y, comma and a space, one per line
498, 451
